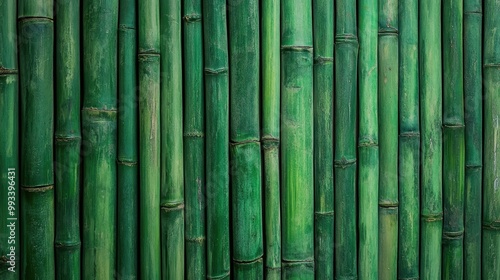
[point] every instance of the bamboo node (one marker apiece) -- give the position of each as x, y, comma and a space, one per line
344, 163
210, 71
258, 259
321, 60
37, 188
297, 48
222, 276
5, 71
189, 18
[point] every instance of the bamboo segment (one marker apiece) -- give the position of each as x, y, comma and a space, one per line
172, 164
323, 137
100, 21
217, 154
9, 145
473, 89
409, 142
36, 57
194, 141
297, 201
491, 195
270, 60
431, 151
368, 149
67, 140
127, 261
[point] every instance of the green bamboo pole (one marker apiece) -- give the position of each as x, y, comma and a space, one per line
346, 57
297, 189
245, 151
270, 61
473, 89
217, 152
491, 195
36, 59
9, 145
172, 169
368, 149
67, 140
194, 140
127, 259
100, 25
430, 76
409, 142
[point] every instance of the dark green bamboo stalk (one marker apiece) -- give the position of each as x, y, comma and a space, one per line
368, 149
127, 261
346, 57
297, 166
473, 89
409, 142
270, 60
431, 151
323, 137
217, 152
194, 141
172, 168
67, 140
245, 151
491, 195
9, 144
36, 61
100, 22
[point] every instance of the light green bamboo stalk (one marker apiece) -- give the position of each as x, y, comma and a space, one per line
473, 91
368, 149
36, 61
431, 151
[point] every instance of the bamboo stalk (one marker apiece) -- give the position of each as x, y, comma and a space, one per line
9, 145
127, 261
491, 196
473, 90
430, 76
346, 57
297, 166
245, 151
172, 168
368, 149
35, 37
409, 142
270, 60
217, 154
67, 140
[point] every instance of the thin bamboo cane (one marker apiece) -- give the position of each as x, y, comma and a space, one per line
368, 149
127, 261
491, 195
431, 146
297, 166
172, 164
473, 90
9, 145
67, 140
35, 37
409, 142
270, 61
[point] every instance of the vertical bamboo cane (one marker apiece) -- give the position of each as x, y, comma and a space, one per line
431, 146
368, 149
67, 140
172, 169
127, 262
491, 195
270, 60
297, 166
409, 142
473, 90
9, 143
36, 38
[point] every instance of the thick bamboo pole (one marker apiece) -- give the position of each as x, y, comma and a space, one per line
409, 142
368, 150
36, 61
430, 76
217, 127
473, 91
